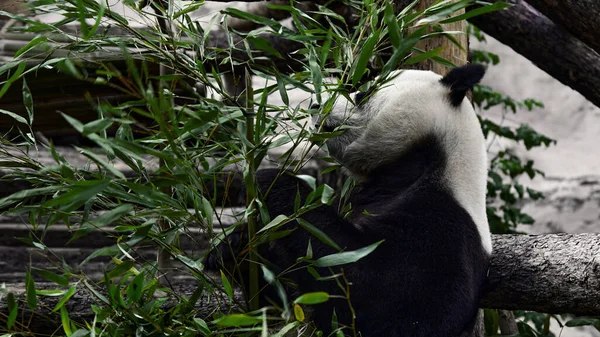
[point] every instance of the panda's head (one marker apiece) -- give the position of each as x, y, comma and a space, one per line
415, 104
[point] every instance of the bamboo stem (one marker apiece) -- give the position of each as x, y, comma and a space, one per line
253, 272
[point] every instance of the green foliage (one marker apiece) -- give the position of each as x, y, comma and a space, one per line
507, 170
178, 146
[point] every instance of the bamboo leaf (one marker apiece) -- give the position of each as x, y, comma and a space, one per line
423, 56
134, 289
393, 27
479, 11
13, 309
65, 298
15, 76
103, 220
52, 277
27, 100
66, 321
18, 196
237, 320
313, 298
14, 116
99, 16
364, 57
236, 13
31, 44
280, 219
30, 290
101, 162
298, 313
314, 231
227, 286
80, 193
346, 257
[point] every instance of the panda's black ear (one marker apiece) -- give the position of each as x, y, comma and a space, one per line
462, 79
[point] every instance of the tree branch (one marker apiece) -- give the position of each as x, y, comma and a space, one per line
580, 17
554, 273
547, 45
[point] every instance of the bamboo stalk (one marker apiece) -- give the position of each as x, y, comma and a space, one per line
253, 273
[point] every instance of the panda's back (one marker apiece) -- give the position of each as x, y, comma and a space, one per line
432, 254
430, 257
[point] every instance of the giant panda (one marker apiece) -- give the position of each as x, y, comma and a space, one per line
416, 150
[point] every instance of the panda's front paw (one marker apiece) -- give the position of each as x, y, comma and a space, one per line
228, 252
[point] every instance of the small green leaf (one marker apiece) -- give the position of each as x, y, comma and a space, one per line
478, 11
30, 290
310, 180
34, 42
14, 77
81, 193
80, 333
237, 320
201, 324
393, 28
316, 74
313, 298
99, 16
424, 56
280, 219
134, 289
65, 298
314, 231
190, 263
282, 90
298, 312
27, 100
101, 162
365, 56
582, 321
263, 44
103, 220
227, 286
66, 321
14, 116
12, 310
236, 13
346, 257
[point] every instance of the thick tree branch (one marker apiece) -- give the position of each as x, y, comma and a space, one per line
547, 45
580, 17
555, 273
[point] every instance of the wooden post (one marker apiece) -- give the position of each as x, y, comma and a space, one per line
451, 51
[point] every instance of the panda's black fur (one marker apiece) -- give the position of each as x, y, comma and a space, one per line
426, 278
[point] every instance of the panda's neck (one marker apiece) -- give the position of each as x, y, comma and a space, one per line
457, 166
423, 164
465, 172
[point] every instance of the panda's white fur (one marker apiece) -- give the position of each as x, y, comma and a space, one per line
413, 105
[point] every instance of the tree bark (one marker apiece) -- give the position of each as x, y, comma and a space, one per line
580, 17
451, 52
554, 273
547, 45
